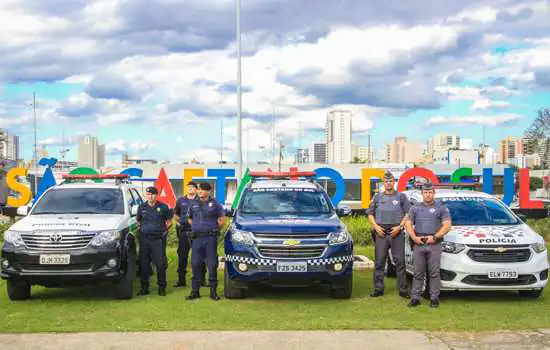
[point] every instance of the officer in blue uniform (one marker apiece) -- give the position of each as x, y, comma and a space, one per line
427, 223
206, 217
184, 232
153, 220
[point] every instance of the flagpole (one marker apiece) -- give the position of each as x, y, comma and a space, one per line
35, 145
239, 95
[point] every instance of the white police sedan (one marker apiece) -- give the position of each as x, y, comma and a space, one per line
488, 248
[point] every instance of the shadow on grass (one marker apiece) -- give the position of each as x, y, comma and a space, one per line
95, 292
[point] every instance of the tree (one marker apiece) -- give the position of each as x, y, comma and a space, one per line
539, 135
535, 183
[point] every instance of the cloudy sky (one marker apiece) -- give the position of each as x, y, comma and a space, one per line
156, 78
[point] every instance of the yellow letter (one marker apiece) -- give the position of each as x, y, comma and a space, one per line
189, 174
366, 174
11, 180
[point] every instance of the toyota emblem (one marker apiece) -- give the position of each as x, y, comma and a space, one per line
56, 237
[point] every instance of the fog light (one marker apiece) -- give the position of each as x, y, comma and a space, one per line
111, 263
338, 267
5, 264
243, 267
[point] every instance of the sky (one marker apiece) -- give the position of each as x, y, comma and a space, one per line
157, 79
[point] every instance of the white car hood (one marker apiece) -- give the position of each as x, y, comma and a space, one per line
506, 234
79, 222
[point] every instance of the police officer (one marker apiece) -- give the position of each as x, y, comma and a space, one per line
206, 217
154, 220
431, 220
184, 230
387, 213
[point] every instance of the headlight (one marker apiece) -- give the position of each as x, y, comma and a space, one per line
538, 247
105, 238
13, 238
452, 247
340, 237
243, 237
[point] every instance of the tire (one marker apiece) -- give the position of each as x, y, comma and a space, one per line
343, 291
531, 294
125, 287
18, 290
230, 290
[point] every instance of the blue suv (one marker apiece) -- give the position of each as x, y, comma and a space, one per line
287, 232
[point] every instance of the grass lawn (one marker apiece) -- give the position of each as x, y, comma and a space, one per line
95, 309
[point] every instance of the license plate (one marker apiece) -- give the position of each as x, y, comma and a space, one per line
298, 266
55, 259
503, 274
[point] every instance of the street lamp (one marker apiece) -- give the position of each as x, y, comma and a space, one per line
239, 94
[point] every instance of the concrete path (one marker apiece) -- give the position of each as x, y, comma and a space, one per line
278, 340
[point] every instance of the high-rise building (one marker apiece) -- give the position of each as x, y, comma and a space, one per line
318, 152
443, 142
302, 156
403, 151
362, 153
338, 136
90, 152
509, 148
9, 146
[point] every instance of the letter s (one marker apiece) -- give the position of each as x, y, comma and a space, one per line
11, 180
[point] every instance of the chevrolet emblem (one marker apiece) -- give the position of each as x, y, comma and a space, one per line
291, 242
500, 249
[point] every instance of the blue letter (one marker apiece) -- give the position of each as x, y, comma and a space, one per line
133, 172
488, 180
48, 180
338, 180
508, 186
220, 175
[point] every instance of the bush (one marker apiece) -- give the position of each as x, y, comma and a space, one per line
360, 229
541, 226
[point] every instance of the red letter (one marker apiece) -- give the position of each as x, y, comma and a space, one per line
166, 193
524, 191
422, 172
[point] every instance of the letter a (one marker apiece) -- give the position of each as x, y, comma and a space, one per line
166, 192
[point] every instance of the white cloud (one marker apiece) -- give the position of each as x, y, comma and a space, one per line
474, 120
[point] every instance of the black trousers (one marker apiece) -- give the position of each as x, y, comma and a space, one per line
205, 253
152, 249
184, 247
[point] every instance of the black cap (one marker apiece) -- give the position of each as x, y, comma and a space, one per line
388, 176
427, 186
205, 186
152, 190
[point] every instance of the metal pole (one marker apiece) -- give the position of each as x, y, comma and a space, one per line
239, 95
221, 143
35, 145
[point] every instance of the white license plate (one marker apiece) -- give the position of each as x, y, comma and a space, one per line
55, 259
503, 274
298, 266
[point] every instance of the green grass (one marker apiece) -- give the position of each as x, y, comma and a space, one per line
95, 309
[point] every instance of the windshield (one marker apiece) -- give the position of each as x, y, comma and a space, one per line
81, 201
478, 211
285, 201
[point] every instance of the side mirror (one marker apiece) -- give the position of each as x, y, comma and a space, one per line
134, 210
343, 210
23, 210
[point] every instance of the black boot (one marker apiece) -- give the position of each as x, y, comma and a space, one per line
194, 295
214, 294
144, 291
162, 291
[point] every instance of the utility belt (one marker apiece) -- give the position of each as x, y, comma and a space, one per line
387, 229
424, 238
154, 235
194, 234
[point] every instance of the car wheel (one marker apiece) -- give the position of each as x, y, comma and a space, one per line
20, 290
230, 289
125, 287
342, 291
530, 293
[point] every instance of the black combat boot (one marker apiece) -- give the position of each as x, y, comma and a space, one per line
144, 291
214, 294
162, 291
194, 295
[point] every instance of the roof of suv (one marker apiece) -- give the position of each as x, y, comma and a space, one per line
92, 185
284, 183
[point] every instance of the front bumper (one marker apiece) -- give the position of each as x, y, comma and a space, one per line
460, 273
86, 266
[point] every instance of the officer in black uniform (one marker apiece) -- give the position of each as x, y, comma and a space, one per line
154, 220
427, 223
183, 228
206, 217
387, 213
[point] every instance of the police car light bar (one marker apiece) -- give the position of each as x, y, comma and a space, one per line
95, 176
282, 174
451, 184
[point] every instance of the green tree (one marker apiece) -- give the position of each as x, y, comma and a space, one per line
538, 134
535, 183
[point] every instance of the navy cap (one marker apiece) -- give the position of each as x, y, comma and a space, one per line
388, 176
205, 186
152, 190
427, 186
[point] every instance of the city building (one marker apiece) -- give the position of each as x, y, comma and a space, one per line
302, 156
488, 155
362, 153
403, 151
90, 152
318, 152
9, 146
509, 148
458, 157
467, 144
338, 136
443, 142
526, 160
127, 160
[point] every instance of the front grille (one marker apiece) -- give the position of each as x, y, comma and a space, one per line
292, 253
70, 267
484, 280
508, 256
43, 241
291, 236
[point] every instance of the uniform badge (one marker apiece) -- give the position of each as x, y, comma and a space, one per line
158, 209
432, 210
395, 202
210, 204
